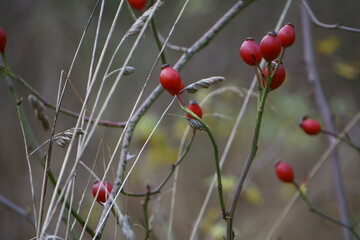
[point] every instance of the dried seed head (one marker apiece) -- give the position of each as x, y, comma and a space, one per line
39, 111
64, 138
203, 83
195, 124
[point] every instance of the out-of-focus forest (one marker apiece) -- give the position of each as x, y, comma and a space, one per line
42, 39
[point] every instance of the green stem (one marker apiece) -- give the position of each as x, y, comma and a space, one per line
146, 214
323, 215
157, 40
260, 110
216, 158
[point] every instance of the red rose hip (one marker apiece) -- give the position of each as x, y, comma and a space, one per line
270, 46
310, 126
137, 4
250, 52
284, 172
278, 78
287, 35
195, 108
3, 39
104, 189
170, 79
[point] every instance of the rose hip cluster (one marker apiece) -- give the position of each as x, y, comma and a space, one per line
270, 48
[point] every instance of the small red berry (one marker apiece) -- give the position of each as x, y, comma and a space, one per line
104, 189
195, 108
137, 4
2, 41
170, 79
287, 35
278, 78
284, 172
250, 52
310, 126
270, 46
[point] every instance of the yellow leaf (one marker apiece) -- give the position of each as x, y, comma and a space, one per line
346, 70
228, 183
329, 45
253, 195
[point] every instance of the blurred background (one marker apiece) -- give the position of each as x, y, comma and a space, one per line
42, 40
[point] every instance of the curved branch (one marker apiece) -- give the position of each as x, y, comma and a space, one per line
325, 25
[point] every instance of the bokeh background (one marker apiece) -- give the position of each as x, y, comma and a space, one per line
42, 39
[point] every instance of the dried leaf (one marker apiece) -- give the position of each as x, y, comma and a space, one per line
203, 83
39, 111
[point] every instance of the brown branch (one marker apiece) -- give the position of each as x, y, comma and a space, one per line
52, 106
323, 106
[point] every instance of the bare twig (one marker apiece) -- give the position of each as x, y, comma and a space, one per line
10, 205
324, 109
172, 46
324, 25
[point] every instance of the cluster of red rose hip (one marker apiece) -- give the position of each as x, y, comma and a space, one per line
270, 48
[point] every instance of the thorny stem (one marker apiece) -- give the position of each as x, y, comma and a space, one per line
344, 139
196, 47
40, 155
216, 158
50, 105
314, 79
323, 215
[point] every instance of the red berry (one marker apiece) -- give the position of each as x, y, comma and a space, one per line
310, 126
104, 189
270, 46
287, 35
278, 78
250, 52
195, 108
284, 172
137, 4
2, 41
170, 79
